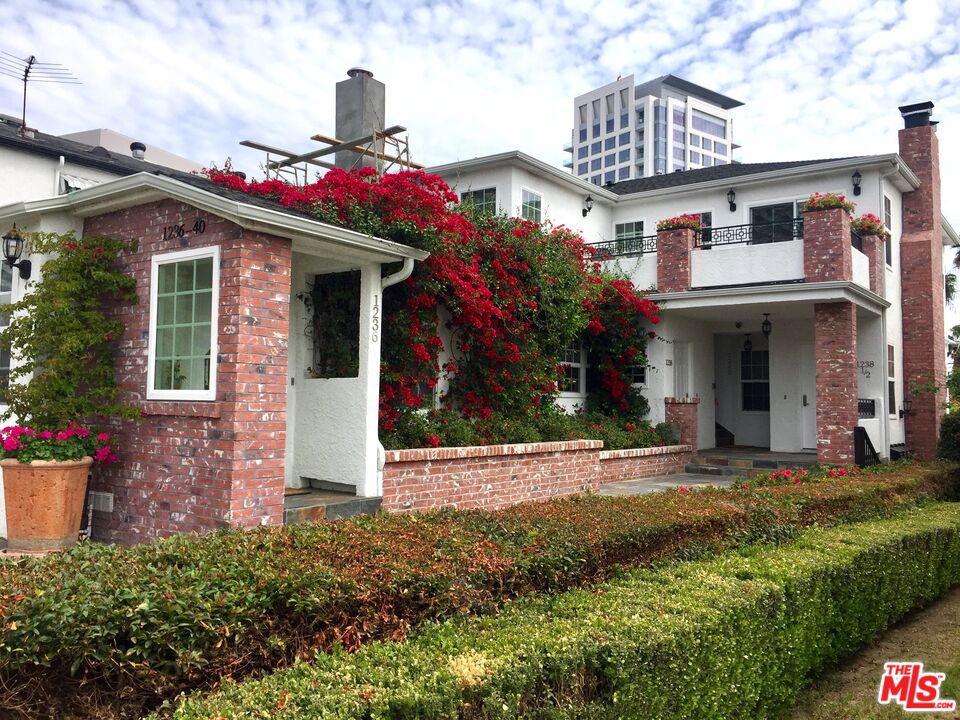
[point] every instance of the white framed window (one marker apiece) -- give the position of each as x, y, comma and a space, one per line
531, 205
755, 380
573, 381
888, 224
483, 200
638, 374
182, 350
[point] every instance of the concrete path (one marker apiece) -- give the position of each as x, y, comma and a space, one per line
661, 483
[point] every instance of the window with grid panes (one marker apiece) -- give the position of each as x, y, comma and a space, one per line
483, 200
755, 380
183, 298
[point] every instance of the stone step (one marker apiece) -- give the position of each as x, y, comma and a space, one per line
314, 507
762, 464
724, 470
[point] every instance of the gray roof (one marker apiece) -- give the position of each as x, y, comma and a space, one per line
100, 158
655, 87
720, 172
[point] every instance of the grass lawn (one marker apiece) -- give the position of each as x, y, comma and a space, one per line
931, 636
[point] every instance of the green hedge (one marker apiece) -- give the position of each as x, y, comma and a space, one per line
732, 637
127, 627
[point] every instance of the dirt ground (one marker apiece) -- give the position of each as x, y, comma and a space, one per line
931, 636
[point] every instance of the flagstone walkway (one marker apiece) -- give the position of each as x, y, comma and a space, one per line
662, 483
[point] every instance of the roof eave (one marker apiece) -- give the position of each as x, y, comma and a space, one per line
146, 187
892, 160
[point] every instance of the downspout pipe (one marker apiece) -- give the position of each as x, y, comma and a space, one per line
399, 276
57, 175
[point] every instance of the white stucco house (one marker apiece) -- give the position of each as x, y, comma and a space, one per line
762, 389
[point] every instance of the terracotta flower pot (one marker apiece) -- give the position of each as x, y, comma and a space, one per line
44, 502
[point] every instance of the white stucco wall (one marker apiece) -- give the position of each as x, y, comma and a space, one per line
662, 380
861, 268
745, 264
34, 177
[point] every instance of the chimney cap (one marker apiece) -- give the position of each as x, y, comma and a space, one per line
356, 71
917, 114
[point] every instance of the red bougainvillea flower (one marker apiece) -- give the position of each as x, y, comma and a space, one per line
683, 489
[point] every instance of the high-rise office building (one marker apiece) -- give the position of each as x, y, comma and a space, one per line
623, 131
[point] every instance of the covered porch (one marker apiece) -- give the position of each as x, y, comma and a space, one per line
802, 387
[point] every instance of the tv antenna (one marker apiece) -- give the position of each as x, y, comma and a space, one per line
32, 70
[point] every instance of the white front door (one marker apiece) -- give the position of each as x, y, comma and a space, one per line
808, 397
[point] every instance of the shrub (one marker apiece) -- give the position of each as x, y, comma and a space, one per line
685, 221
948, 448
734, 636
130, 626
670, 433
827, 201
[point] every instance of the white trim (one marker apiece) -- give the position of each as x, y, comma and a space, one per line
172, 257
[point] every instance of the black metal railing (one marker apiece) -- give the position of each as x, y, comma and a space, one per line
866, 408
751, 234
856, 240
863, 451
625, 247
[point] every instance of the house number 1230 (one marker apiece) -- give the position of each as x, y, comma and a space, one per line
375, 320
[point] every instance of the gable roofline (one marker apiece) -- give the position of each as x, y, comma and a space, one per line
145, 187
526, 162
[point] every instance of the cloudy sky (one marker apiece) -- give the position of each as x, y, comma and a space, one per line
820, 78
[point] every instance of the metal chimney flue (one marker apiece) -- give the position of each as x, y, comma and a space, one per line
917, 115
138, 149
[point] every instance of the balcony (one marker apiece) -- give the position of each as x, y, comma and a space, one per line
739, 255
568, 147
568, 163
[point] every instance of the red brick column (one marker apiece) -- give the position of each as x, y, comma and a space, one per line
874, 250
827, 253
921, 274
683, 413
197, 466
835, 352
673, 259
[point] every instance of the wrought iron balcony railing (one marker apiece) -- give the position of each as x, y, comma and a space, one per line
751, 234
856, 240
625, 247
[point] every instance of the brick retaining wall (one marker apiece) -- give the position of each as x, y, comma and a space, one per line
495, 476
621, 465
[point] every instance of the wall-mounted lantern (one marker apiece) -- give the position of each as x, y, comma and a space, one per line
906, 407
587, 205
748, 343
13, 243
856, 178
732, 199
766, 326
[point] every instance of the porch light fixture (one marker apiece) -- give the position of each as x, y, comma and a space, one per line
13, 243
587, 205
906, 406
857, 179
766, 326
732, 199
748, 343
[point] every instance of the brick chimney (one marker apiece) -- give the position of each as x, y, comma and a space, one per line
921, 274
361, 103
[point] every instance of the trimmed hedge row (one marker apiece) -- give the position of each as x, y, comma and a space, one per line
122, 628
736, 636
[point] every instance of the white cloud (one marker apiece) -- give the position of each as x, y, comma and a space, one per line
470, 78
